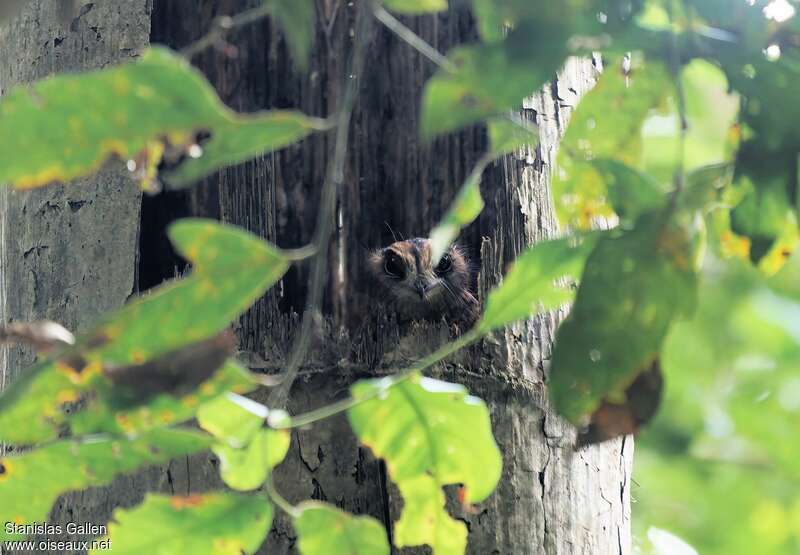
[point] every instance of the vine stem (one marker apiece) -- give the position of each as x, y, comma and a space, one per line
333, 409
326, 213
222, 26
282, 503
411, 38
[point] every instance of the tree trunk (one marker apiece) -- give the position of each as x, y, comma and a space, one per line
550, 499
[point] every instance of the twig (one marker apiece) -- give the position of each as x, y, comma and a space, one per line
326, 214
415, 41
278, 499
224, 25
412, 39
340, 406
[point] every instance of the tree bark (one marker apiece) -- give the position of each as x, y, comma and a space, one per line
550, 499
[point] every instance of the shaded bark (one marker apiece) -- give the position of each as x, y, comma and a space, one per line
550, 499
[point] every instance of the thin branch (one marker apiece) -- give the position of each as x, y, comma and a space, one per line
224, 25
326, 214
417, 43
278, 499
412, 39
340, 406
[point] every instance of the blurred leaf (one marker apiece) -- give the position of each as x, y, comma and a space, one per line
465, 208
493, 16
425, 520
532, 285
600, 151
325, 530
762, 217
666, 543
633, 286
232, 418
729, 418
215, 523
296, 19
710, 112
631, 192
506, 135
627, 414
30, 482
416, 6
67, 126
485, 80
246, 468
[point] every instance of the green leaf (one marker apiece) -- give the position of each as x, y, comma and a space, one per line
486, 80
247, 468
430, 434
465, 208
423, 426
633, 287
504, 137
67, 126
103, 414
296, 19
198, 524
232, 418
532, 283
325, 530
603, 139
425, 520
231, 268
416, 6
507, 135
32, 481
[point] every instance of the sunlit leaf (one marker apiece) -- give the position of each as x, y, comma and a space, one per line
232, 418
30, 482
420, 427
296, 19
325, 530
425, 520
67, 126
600, 152
532, 284
246, 468
633, 286
416, 6
216, 523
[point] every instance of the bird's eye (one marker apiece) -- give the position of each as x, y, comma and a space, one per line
445, 265
393, 266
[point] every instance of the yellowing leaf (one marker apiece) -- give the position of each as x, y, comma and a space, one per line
67, 126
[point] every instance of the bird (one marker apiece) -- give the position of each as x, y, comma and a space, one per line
415, 289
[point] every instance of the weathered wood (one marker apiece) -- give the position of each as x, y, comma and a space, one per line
69, 253
551, 499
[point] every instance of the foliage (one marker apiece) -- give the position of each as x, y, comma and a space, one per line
686, 149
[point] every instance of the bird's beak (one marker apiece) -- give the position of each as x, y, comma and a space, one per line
421, 289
